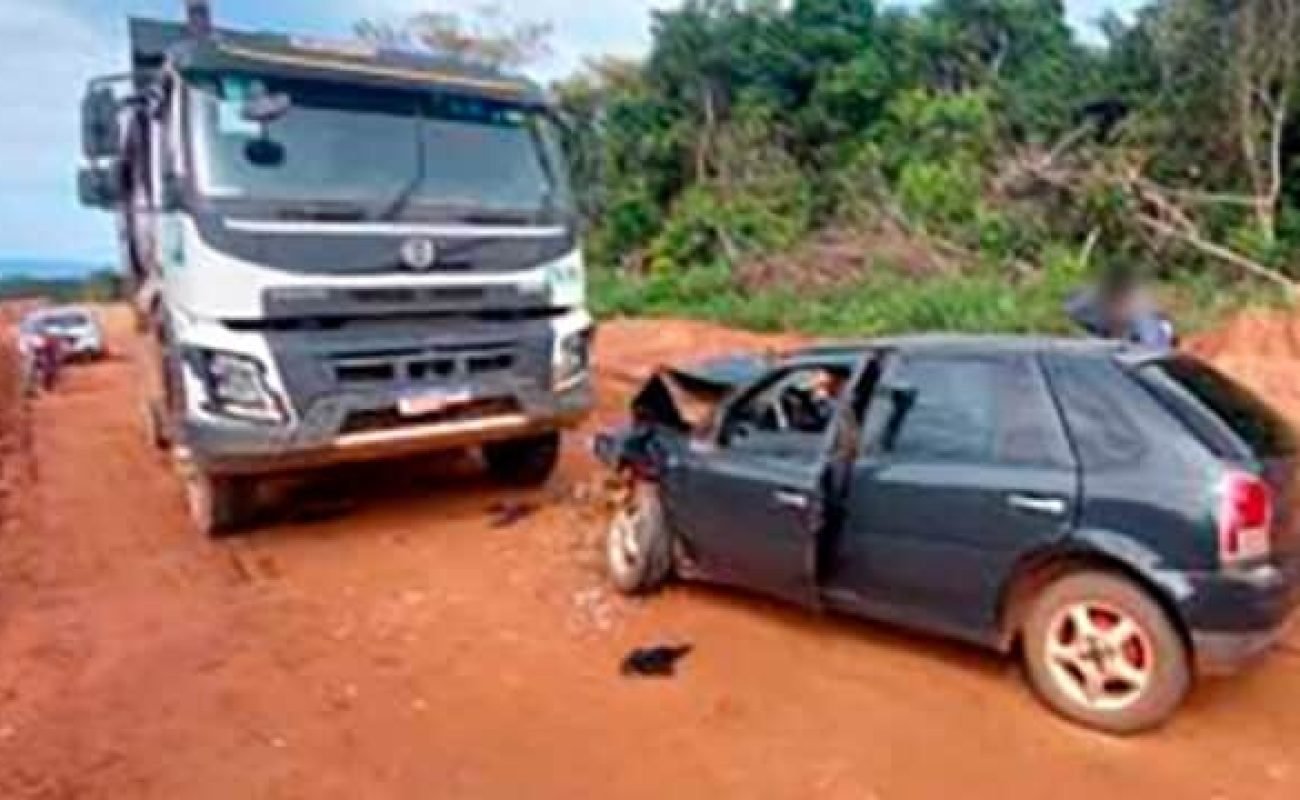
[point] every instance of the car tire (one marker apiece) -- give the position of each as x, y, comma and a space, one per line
638, 545
523, 462
220, 505
1100, 651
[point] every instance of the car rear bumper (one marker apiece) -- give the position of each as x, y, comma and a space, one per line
1229, 653
1238, 616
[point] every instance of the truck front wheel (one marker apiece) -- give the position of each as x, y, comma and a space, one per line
523, 462
220, 505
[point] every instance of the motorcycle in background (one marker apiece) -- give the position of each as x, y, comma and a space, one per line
42, 360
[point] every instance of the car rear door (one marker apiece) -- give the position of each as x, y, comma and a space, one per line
953, 491
749, 511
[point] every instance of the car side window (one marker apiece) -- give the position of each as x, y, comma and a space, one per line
975, 409
1030, 429
788, 415
952, 416
1092, 395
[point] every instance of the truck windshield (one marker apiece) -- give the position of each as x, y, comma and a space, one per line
381, 148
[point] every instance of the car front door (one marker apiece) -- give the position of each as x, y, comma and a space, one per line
975, 472
750, 501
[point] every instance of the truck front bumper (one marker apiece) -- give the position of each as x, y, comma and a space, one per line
346, 393
230, 447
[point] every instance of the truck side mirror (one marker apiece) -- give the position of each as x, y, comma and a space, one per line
171, 193
100, 129
98, 186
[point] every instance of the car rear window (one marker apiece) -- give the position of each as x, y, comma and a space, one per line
1236, 416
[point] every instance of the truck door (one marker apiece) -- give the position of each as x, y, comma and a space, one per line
752, 500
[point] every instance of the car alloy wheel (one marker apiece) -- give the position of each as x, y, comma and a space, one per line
638, 546
1099, 656
624, 541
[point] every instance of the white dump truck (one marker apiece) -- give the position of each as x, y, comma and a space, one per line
338, 253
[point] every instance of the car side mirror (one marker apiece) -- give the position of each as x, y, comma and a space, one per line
901, 399
100, 128
98, 186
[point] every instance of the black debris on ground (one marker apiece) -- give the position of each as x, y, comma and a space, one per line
654, 662
507, 513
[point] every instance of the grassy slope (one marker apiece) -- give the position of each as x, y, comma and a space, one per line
890, 302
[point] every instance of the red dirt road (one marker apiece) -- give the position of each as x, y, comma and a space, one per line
390, 642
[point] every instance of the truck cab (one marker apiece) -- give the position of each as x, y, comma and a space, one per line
338, 253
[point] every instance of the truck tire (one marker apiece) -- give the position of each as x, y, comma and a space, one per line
1099, 650
638, 548
523, 462
220, 505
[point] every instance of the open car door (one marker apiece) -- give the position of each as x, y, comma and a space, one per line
750, 507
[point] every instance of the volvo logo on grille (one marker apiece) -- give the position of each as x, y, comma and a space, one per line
419, 254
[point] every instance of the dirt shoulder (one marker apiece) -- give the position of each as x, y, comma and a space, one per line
393, 641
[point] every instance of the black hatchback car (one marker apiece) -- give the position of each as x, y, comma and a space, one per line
1120, 517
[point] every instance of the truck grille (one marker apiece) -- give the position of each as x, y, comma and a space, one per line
422, 365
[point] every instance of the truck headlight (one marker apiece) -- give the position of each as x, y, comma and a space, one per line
237, 387
574, 357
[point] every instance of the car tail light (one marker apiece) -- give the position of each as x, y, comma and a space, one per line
1245, 518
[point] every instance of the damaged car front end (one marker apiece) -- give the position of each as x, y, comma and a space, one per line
673, 404
671, 413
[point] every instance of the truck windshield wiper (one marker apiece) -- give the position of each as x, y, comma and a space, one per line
403, 199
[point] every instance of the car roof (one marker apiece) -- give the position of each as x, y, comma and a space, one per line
970, 344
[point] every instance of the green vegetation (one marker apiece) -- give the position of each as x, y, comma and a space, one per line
1008, 158
99, 287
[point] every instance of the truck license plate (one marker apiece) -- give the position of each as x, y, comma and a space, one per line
432, 402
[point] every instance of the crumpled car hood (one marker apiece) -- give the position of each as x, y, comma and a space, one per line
681, 398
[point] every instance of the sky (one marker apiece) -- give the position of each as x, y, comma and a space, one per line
49, 48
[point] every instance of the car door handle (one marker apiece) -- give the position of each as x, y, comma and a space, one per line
791, 499
1051, 506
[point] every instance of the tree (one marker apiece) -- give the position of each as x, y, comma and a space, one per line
1235, 62
1265, 79
485, 35
751, 122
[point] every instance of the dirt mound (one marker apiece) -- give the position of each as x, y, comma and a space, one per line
1254, 334
13, 431
1261, 349
839, 257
